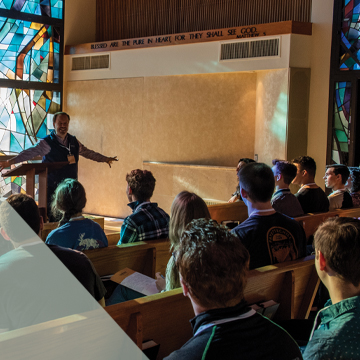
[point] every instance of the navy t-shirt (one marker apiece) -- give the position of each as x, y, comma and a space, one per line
79, 235
271, 239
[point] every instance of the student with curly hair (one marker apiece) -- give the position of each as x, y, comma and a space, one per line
148, 221
74, 231
213, 267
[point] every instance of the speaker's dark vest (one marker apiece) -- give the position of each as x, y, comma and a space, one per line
60, 153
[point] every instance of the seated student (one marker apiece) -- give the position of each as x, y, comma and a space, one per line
148, 221
213, 270
269, 236
283, 201
336, 333
353, 185
335, 178
311, 197
241, 163
35, 285
74, 231
185, 207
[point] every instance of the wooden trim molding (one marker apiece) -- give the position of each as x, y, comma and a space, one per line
235, 33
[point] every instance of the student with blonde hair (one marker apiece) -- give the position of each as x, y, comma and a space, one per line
186, 207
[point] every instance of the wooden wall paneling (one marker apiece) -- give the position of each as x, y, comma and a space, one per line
123, 19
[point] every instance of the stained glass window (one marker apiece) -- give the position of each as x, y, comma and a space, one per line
341, 126
50, 8
29, 51
30, 76
25, 116
350, 36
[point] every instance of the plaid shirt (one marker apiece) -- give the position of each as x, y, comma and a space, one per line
147, 222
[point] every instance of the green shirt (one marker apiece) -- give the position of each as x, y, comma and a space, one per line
338, 335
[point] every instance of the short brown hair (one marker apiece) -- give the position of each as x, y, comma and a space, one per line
339, 241
142, 183
258, 180
212, 263
58, 114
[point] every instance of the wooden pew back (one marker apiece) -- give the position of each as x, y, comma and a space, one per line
165, 317
146, 257
236, 211
353, 212
109, 260
310, 223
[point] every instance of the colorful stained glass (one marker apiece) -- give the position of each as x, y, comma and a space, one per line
25, 116
29, 51
350, 36
341, 125
50, 8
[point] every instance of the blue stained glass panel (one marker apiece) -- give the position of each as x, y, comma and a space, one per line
27, 51
30, 111
35, 7
341, 123
350, 36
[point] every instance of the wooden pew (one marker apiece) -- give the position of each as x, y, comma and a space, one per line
353, 212
146, 257
165, 317
109, 260
113, 237
236, 211
311, 222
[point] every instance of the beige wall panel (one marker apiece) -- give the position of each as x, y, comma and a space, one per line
199, 119
107, 117
209, 182
207, 120
322, 16
271, 115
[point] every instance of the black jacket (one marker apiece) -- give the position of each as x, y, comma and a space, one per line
251, 338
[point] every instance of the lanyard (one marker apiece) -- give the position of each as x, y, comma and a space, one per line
223, 321
67, 148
